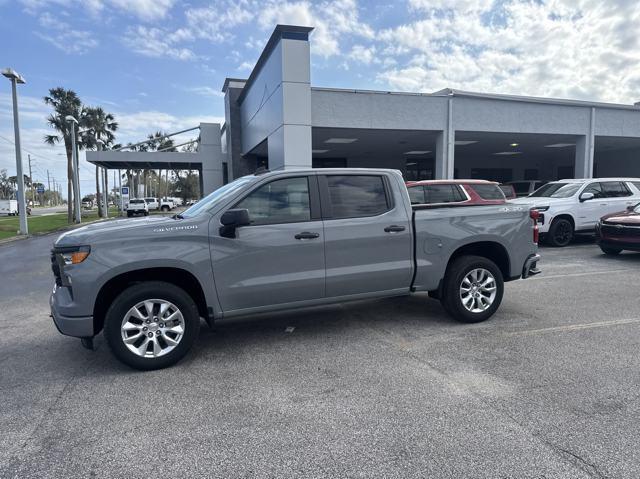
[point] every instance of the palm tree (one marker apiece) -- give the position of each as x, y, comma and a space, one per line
103, 127
64, 102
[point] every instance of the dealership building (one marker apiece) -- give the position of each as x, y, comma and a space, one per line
277, 119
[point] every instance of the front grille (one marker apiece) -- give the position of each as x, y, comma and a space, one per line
55, 267
619, 230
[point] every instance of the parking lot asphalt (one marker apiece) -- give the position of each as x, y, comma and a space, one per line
548, 388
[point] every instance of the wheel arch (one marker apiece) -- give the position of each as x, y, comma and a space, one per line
117, 284
491, 250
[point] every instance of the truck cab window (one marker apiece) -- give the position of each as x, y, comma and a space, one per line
281, 201
353, 196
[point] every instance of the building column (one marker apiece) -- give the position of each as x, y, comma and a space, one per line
210, 153
585, 150
445, 148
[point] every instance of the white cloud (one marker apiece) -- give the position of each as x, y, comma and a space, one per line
62, 36
215, 22
154, 42
146, 10
585, 49
332, 20
205, 91
362, 54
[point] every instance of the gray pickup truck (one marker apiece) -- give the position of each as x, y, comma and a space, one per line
281, 240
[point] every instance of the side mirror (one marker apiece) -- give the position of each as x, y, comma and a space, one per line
232, 219
586, 197
631, 208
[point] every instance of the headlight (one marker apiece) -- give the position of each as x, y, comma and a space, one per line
74, 255
541, 208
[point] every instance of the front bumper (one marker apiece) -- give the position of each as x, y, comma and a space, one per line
77, 326
530, 267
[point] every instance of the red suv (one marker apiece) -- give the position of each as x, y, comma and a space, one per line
455, 192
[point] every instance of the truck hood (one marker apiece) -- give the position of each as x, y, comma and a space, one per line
108, 230
541, 201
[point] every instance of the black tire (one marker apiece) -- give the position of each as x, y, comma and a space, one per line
560, 233
610, 251
141, 292
129, 214
165, 208
146, 213
451, 296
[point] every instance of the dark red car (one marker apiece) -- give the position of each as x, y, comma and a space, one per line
619, 231
455, 192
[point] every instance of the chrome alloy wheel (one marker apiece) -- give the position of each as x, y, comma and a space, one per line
478, 290
152, 328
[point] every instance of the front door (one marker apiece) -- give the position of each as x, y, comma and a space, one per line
279, 257
367, 232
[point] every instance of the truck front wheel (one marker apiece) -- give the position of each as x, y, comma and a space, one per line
151, 325
473, 289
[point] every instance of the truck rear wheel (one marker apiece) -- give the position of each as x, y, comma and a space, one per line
473, 289
151, 325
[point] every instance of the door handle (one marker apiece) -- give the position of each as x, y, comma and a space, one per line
306, 235
394, 229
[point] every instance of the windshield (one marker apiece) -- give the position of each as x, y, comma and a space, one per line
218, 195
556, 190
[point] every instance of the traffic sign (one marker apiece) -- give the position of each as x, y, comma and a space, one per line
40, 189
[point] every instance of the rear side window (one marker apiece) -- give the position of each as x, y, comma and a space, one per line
488, 192
443, 193
615, 189
281, 201
351, 196
416, 194
636, 184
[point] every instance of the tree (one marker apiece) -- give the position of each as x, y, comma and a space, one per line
64, 102
102, 126
6, 186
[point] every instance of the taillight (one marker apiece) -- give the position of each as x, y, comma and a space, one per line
535, 214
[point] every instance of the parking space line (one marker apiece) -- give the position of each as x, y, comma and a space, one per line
584, 273
574, 327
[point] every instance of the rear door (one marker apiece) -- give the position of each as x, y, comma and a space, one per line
618, 194
367, 232
279, 257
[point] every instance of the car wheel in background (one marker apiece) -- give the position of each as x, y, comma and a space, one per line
560, 233
146, 213
129, 214
151, 325
473, 289
165, 208
608, 250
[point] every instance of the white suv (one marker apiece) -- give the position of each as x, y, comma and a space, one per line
569, 206
137, 206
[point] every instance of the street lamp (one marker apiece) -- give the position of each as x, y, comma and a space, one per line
16, 79
76, 173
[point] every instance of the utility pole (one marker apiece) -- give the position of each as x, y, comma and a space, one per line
49, 186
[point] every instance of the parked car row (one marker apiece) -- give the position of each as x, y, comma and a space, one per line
607, 206
142, 206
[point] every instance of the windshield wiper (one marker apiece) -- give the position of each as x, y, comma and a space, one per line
178, 217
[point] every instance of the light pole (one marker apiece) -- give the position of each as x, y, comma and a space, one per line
76, 174
16, 79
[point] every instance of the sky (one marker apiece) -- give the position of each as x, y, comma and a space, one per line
160, 64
